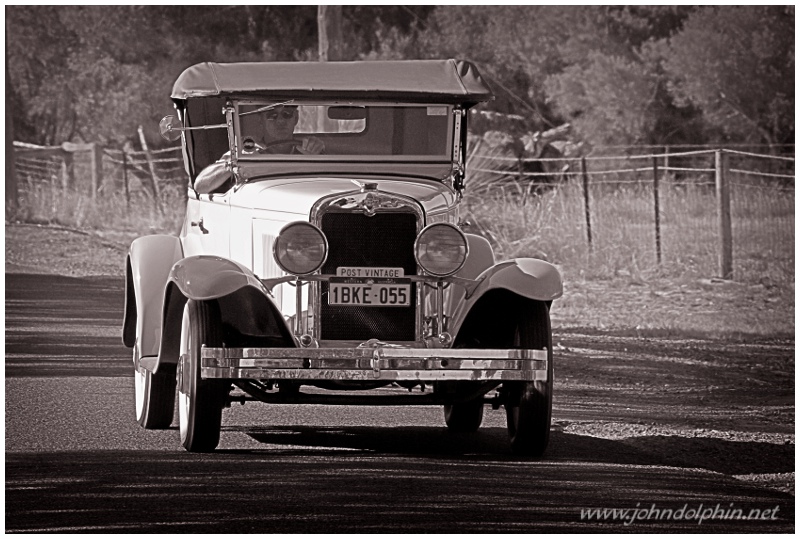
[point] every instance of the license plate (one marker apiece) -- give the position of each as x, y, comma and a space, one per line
370, 295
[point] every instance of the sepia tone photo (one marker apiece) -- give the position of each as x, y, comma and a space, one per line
399, 269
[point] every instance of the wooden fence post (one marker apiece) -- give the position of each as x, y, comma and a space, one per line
656, 208
67, 170
125, 179
57, 191
97, 168
12, 189
68, 151
153, 177
586, 201
724, 214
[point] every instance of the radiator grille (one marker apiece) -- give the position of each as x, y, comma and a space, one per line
383, 240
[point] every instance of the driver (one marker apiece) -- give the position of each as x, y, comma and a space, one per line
279, 125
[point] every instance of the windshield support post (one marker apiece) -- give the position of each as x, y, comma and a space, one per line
229, 111
459, 140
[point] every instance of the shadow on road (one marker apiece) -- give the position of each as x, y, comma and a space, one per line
64, 326
713, 454
394, 490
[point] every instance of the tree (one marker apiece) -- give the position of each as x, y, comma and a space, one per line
505, 42
736, 64
98, 72
76, 75
608, 101
387, 32
619, 74
12, 196
584, 65
37, 41
613, 88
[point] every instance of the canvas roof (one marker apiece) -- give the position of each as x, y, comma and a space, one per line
449, 81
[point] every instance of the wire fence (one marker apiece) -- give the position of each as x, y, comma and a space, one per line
643, 210
129, 170
621, 207
88, 186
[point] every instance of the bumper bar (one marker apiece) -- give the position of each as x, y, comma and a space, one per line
369, 364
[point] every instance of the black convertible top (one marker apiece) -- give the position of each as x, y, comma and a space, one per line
442, 81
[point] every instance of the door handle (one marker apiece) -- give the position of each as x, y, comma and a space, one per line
199, 224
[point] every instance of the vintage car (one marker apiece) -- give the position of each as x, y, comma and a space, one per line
330, 265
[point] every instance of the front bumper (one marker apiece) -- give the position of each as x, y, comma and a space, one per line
370, 364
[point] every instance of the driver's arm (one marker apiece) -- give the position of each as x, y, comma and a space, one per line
213, 176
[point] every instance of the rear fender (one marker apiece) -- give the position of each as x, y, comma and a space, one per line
150, 260
249, 315
526, 278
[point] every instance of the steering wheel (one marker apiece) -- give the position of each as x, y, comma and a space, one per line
290, 141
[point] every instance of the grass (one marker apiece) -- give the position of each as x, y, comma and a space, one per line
553, 226
616, 285
40, 204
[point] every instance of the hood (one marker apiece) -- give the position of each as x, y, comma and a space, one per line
298, 195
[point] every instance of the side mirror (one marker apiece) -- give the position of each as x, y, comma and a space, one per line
170, 128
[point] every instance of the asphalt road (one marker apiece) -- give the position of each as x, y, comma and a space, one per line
77, 462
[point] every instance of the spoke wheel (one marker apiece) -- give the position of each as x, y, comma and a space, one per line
529, 405
200, 402
155, 397
464, 416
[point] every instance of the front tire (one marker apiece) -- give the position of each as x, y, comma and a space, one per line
200, 402
529, 404
155, 397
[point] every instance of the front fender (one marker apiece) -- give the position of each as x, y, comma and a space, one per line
204, 277
249, 315
526, 277
481, 257
150, 260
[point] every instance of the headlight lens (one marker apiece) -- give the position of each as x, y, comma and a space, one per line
300, 248
441, 249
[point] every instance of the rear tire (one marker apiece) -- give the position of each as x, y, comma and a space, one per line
464, 416
529, 404
155, 397
200, 402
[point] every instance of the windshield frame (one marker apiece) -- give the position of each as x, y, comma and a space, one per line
266, 104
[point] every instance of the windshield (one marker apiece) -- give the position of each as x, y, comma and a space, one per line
396, 132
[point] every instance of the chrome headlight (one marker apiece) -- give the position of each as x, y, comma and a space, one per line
300, 248
441, 249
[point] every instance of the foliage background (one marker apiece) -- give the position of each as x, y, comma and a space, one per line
618, 74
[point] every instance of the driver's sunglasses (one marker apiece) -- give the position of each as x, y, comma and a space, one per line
285, 114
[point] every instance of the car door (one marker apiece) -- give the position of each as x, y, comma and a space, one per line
207, 228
